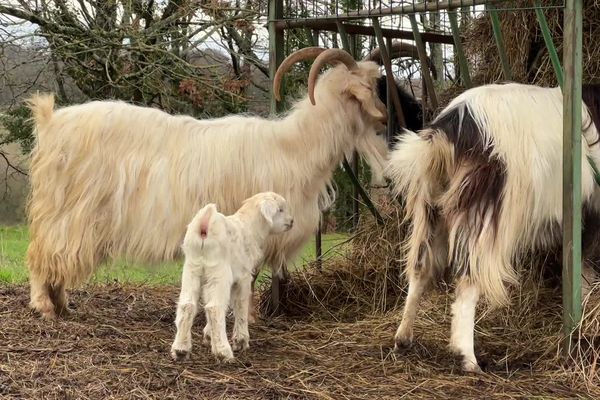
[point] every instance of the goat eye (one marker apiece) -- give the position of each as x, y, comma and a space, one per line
280, 209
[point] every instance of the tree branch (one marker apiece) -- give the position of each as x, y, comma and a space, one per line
25, 15
10, 165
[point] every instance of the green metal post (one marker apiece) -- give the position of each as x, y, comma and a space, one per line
318, 236
389, 101
572, 169
426, 73
387, 64
343, 36
275, 58
315, 37
539, 12
362, 192
462, 59
499, 42
275, 49
355, 167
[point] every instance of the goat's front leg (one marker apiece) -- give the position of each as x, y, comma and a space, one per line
241, 293
216, 299
187, 308
463, 324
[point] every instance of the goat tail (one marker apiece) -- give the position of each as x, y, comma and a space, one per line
418, 167
205, 232
205, 217
42, 109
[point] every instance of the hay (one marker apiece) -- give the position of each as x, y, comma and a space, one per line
520, 30
116, 347
367, 285
334, 340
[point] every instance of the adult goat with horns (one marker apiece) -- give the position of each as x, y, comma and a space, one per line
112, 180
483, 185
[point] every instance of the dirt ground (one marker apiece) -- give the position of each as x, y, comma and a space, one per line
116, 346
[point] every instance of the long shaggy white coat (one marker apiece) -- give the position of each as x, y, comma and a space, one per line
112, 180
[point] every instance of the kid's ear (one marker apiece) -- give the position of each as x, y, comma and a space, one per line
268, 209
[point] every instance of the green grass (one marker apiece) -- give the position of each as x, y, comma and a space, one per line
14, 240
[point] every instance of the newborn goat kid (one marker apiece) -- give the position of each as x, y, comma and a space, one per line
221, 254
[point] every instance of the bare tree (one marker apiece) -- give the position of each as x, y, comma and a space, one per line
139, 50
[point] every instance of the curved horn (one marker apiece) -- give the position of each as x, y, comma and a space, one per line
399, 50
299, 55
330, 56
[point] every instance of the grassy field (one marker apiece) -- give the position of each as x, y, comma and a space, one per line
13, 246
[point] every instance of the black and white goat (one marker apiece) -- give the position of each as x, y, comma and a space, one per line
411, 107
482, 185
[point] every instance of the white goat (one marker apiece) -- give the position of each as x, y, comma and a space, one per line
110, 179
221, 255
483, 184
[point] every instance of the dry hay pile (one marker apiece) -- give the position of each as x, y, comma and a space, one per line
522, 33
519, 344
523, 42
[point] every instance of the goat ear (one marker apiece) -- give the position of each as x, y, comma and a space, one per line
268, 208
369, 102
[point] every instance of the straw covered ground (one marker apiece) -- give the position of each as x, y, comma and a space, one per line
333, 341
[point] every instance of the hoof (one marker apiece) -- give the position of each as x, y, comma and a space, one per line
471, 368
224, 355
180, 355
241, 343
402, 343
46, 313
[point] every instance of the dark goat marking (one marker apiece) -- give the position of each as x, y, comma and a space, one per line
411, 109
482, 192
466, 137
590, 94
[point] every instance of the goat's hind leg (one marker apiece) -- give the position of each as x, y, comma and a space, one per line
40, 297
41, 294
418, 281
187, 308
217, 293
463, 324
431, 259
